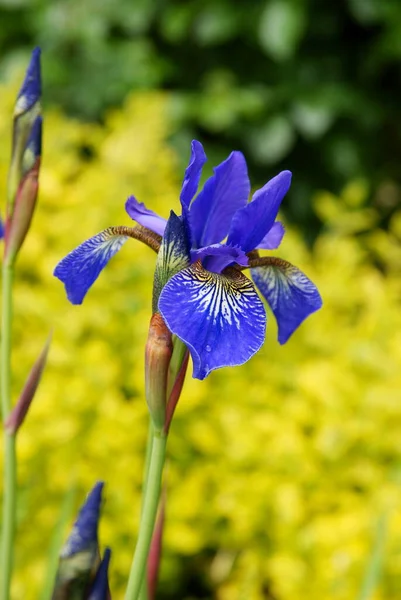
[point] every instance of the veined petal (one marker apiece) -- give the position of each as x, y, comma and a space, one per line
290, 294
193, 173
81, 267
223, 194
217, 257
219, 317
273, 238
251, 224
144, 216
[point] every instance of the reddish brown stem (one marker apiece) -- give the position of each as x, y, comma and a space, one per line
156, 549
176, 393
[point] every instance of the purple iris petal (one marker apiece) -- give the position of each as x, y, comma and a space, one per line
100, 586
220, 318
81, 267
144, 216
273, 238
251, 224
1, 229
31, 88
84, 534
217, 257
290, 294
223, 194
193, 173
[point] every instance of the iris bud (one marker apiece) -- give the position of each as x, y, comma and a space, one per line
79, 555
19, 221
159, 348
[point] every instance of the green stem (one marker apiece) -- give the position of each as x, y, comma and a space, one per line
149, 445
10, 463
148, 517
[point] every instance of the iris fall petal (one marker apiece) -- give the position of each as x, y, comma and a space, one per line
81, 267
219, 317
290, 294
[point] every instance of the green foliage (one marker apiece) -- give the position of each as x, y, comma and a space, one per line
301, 84
280, 470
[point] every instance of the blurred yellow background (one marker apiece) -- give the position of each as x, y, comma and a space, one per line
281, 471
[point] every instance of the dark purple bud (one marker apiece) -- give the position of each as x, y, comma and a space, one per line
79, 555
18, 414
31, 89
26, 132
84, 533
100, 588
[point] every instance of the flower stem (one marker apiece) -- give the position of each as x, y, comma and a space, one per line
149, 444
10, 463
148, 517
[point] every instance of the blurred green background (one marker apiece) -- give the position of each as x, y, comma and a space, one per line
285, 472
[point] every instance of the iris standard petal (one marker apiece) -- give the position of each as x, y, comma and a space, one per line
273, 238
290, 294
144, 216
219, 317
217, 257
251, 224
223, 194
81, 267
193, 173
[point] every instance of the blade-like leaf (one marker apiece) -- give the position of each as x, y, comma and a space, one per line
19, 412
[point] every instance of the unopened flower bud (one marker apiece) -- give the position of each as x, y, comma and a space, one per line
19, 221
100, 586
27, 109
79, 555
159, 349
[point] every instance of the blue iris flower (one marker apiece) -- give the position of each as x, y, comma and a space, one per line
209, 304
